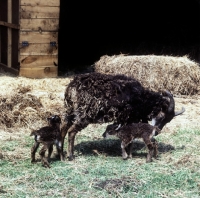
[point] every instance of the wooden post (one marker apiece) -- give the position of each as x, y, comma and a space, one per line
9, 57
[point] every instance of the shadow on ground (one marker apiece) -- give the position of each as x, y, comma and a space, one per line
112, 147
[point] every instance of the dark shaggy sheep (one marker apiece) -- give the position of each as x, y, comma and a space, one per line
101, 98
129, 132
48, 136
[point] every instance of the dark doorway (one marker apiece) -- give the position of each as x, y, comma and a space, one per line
89, 30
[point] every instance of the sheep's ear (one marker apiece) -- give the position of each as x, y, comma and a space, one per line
119, 126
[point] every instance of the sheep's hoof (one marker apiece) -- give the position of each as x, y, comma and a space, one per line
155, 156
130, 156
33, 161
46, 165
149, 160
62, 158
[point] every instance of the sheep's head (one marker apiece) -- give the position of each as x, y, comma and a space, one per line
167, 112
54, 120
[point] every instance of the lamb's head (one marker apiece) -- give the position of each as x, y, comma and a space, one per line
111, 129
167, 112
54, 120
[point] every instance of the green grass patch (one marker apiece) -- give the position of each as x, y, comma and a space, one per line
99, 170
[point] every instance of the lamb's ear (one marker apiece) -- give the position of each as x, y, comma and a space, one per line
119, 126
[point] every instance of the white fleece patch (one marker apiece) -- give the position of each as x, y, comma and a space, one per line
153, 122
38, 137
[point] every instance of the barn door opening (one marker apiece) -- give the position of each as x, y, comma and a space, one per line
89, 30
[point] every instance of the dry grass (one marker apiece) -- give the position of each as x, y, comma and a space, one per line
179, 75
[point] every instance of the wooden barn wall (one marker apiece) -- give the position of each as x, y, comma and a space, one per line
39, 24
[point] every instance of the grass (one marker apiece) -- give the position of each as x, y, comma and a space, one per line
99, 171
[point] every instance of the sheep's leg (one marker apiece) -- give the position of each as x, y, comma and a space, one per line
123, 147
64, 130
33, 151
73, 130
42, 155
71, 137
50, 150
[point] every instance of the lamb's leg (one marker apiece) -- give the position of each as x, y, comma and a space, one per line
130, 149
123, 147
42, 155
155, 145
58, 147
50, 150
150, 147
33, 151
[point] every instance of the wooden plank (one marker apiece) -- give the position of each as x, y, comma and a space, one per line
36, 60
9, 69
39, 72
39, 49
9, 55
39, 24
36, 37
38, 12
10, 25
40, 3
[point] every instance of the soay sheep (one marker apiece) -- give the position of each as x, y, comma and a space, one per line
100, 98
48, 136
129, 132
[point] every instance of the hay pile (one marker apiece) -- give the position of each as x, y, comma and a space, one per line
26, 103
21, 109
179, 75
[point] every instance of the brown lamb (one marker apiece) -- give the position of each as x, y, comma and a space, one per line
129, 132
48, 136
